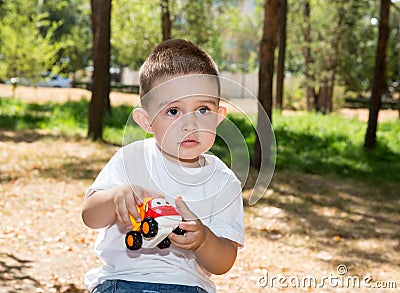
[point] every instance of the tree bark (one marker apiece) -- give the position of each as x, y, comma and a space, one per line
165, 20
334, 59
379, 75
280, 76
311, 97
265, 76
101, 16
398, 54
331, 88
322, 96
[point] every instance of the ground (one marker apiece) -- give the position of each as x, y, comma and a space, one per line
306, 225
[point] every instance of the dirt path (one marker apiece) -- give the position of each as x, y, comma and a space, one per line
43, 95
306, 225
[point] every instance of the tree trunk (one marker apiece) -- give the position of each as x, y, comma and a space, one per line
311, 99
101, 16
265, 76
331, 87
334, 59
323, 96
379, 75
398, 55
280, 76
165, 20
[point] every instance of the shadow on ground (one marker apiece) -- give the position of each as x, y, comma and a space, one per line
16, 277
356, 222
13, 268
26, 136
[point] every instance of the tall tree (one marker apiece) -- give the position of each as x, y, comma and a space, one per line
397, 89
165, 20
266, 74
101, 16
280, 75
308, 59
328, 52
379, 75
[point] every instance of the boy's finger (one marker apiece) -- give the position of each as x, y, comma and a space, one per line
189, 226
123, 214
183, 209
179, 239
132, 209
138, 196
141, 193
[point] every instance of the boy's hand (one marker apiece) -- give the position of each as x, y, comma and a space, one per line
125, 198
196, 232
215, 254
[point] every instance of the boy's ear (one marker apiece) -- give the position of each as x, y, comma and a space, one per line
141, 117
221, 114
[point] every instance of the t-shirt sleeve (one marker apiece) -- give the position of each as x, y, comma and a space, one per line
227, 219
111, 175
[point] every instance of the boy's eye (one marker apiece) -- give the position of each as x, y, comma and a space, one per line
203, 110
172, 112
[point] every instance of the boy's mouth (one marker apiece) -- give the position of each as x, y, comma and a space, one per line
189, 142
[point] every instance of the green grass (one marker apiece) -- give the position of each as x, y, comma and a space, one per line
308, 142
70, 118
329, 144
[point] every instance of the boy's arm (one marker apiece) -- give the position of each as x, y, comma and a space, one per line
104, 207
98, 210
216, 254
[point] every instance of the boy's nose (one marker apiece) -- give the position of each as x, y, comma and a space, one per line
189, 122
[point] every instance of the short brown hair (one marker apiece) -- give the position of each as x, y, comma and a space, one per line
174, 57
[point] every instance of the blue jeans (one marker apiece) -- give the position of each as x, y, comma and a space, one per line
120, 286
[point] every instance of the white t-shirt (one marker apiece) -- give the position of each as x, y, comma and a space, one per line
211, 192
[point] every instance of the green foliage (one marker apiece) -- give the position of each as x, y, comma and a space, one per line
23, 49
394, 45
358, 45
74, 33
57, 35
220, 28
341, 34
135, 31
247, 131
240, 48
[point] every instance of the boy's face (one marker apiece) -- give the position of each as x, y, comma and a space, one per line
183, 115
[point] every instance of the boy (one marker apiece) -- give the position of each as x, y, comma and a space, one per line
179, 90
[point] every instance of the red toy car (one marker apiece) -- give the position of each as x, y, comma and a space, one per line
159, 219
